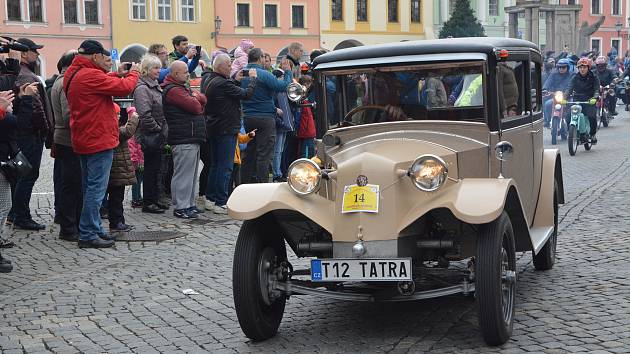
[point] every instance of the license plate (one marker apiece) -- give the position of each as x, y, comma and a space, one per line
397, 269
360, 199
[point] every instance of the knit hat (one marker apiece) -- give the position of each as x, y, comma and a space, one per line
246, 44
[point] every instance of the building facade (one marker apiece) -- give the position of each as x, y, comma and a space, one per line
270, 24
137, 24
613, 32
347, 23
59, 25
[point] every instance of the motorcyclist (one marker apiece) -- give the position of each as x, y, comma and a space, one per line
584, 86
549, 65
606, 77
557, 81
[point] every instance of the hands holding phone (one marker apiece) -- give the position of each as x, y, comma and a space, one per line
126, 67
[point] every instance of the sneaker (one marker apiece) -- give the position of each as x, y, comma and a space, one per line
220, 209
120, 227
29, 225
209, 205
196, 210
184, 214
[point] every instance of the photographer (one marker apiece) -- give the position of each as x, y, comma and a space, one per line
31, 139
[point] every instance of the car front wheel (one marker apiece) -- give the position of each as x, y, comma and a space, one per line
495, 284
257, 257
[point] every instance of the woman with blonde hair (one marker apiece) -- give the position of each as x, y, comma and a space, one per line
152, 130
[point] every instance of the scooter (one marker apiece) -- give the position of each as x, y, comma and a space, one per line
558, 122
579, 128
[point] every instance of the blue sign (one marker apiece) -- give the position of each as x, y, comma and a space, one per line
114, 52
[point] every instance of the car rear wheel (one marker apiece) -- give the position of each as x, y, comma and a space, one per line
257, 256
546, 258
495, 284
574, 140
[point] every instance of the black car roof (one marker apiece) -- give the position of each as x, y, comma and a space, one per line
485, 45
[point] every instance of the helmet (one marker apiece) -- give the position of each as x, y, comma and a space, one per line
601, 60
584, 62
562, 62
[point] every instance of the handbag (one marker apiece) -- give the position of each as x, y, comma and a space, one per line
152, 141
18, 166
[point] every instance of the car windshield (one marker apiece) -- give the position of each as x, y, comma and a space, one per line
444, 91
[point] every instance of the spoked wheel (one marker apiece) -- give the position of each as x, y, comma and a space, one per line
257, 257
554, 131
573, 140
546, 258
495, 284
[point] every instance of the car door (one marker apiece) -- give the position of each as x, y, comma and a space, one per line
517, 126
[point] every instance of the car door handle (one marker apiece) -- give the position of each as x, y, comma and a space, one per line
535, 131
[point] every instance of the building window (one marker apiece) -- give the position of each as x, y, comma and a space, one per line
242, 15
91, 11
14, 11
415, 11
362, 11
595, 10
337, 10
35, 11
392, 10
139, 9
571, 2
616, 7
297, 16
615, 44
595, 45
493, 7
271, 15
70, 11
188, 10
164, 10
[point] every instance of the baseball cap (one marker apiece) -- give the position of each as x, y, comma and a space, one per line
91, 46
30, 44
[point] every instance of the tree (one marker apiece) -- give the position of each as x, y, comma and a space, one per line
462, 23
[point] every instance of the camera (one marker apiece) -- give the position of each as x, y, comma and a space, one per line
245, 72
9, 43
127, 66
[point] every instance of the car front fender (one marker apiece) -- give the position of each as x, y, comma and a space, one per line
249, 201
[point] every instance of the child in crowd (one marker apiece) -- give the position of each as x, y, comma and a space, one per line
306, 132
240, 56
122, 173
242, 139
137, 159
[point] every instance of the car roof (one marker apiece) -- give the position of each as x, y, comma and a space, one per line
486, 45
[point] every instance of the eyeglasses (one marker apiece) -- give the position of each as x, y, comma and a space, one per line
162, 53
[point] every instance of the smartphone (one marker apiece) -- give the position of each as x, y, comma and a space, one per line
245, 72
198, 48
127, 66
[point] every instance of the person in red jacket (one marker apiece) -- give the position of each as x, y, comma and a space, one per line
306, 131
89, 87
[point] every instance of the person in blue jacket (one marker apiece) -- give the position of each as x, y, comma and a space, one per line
557, 81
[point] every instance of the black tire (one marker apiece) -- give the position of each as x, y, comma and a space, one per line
573, 140
546, 258
495, 284
554, 131
258, 314
604, 118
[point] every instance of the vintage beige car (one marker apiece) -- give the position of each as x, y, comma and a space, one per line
430, 175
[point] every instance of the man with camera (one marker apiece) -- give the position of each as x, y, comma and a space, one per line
31, 139
89, 86
182, 49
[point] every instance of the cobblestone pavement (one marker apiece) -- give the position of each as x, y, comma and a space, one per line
63, 299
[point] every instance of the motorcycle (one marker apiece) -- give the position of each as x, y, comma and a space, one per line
605, 116
558, 121
579, 128
623, 91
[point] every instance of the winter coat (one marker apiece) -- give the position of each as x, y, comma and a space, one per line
605, 77
261, 104
557, 81
147, 98
137, 156
123, 172
60, 107
583, 88
9, 126
307, 123
223, 109
240, 61
42, 117
241, 139
93, 121
508, 88
184, 113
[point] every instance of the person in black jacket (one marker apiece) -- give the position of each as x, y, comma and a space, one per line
223, 112
606, 77
584, 86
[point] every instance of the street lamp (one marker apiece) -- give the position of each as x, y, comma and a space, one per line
618, 26
217, 27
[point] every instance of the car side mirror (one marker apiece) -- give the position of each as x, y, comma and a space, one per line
503, 151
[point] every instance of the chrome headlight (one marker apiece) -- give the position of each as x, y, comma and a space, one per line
296, 92
558, 106
428, 172
558, 96
304, 176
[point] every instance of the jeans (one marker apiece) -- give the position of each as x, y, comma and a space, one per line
95, 172
281, 138
136, 192
260, 150
32, 147
152, 173
70, 190
307, 148
547, 110
222, 148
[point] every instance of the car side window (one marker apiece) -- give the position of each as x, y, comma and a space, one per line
511, 86
535, 87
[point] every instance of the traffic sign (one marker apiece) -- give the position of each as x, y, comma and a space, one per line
114, 52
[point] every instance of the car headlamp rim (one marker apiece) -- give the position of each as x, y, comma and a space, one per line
310, 162
421, 159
